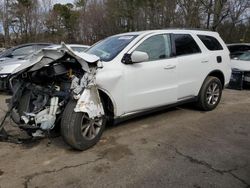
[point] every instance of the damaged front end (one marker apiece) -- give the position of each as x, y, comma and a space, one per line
44, 86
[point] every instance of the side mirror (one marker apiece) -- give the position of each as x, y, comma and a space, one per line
135, 57
138, 57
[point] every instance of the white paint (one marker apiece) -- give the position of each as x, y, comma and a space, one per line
141, 86
240, 65
90, 103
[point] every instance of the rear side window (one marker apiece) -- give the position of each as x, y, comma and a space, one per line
210, 42
185, 45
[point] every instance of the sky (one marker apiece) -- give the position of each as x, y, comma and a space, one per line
53, 1
62, 1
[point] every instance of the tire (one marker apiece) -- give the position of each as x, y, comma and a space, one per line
71, 128
210, 94
23, 106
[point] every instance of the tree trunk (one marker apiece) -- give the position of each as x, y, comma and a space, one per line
6, 23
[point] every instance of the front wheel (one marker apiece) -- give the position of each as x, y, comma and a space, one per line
210, 94
80, 131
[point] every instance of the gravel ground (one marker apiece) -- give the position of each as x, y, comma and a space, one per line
179, 147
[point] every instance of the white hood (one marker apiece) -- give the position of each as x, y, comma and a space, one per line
240, 65
49, 55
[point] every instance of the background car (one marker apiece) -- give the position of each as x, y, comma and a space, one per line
240, 71
22, 50
238, 48
8, 65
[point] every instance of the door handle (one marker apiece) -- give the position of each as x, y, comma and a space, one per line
169, 67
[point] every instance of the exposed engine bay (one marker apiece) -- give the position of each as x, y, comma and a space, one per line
43, 87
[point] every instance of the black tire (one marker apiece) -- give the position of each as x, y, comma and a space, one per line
71, 128
23, 106
203, 99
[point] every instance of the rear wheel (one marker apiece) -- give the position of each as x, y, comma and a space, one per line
80, 131
210, 94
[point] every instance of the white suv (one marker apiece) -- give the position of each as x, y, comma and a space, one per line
141, 71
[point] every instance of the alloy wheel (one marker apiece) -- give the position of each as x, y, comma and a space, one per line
213, 93
90, 127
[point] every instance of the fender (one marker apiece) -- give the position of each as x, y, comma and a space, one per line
90, 102
110, 98
216, 73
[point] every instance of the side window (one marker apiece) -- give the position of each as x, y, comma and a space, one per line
157, 47
185, 45
210, 42
23, 51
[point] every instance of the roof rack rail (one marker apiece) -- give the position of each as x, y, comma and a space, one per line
183, 28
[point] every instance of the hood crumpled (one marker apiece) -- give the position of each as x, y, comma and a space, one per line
48, 55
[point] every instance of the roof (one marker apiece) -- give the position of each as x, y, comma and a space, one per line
237, 44
29, 44
196, 31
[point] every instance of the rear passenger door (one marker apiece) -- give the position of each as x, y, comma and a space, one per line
192, 66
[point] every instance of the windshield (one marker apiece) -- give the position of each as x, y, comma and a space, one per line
5, 53
244, 57
110, 47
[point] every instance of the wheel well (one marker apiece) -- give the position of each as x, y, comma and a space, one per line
219, 75
107, 104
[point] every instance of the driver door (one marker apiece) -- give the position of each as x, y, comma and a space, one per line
151, 83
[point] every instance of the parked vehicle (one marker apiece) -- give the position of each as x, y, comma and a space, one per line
237, 49
22, 51
240, 71
74, 47
9, 65
121, 76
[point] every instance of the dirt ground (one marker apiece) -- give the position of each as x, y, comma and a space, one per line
179, 147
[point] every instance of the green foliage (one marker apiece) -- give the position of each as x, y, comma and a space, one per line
66, 13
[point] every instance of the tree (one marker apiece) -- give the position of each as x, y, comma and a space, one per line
6, 20
190, 10
87, 21
25, 20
